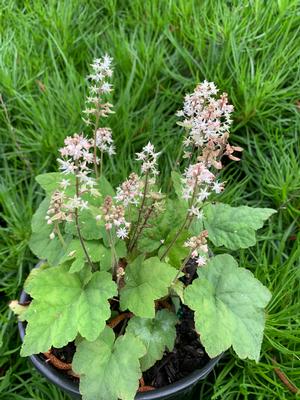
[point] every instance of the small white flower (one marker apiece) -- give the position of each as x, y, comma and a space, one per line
203, 248
203, 194
122, 233
106, 87
52, 235
194, 254
67, 167
84, 205
201, 260
106, 61
218, 187
149, 159
64, 183
196, 212
111, 150
149, 148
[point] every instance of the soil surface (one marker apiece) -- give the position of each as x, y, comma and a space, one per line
187, 355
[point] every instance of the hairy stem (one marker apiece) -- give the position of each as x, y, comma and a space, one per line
182, 267
140, 212
175, 237
59, 235
101, 163
78, 228
183, 226
114, 258
95, 147
140, 230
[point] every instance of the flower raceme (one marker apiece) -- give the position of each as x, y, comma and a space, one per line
206, 117
207, 122
98, 89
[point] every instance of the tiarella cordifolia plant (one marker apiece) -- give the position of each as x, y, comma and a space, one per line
130, 248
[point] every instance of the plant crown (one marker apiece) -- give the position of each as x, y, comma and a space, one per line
121, 255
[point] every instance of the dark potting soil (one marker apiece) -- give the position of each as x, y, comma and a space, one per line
187, 355
65, 353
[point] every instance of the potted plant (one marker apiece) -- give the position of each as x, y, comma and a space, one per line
130, 297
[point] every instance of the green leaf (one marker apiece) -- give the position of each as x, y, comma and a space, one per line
161, 226
64, 305
105, 187
89, 228
96, 252
234, 227
45, 248
177, 183
157, 334
50, 181
178, 252
105, 254
38, 219
229, 307
196, 227
145, 281
40, 243
109, 369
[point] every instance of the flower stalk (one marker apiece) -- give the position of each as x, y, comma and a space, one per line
78, 229
131, 246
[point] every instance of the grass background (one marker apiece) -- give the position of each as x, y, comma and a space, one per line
161, 50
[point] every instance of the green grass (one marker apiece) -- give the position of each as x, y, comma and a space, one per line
161, 50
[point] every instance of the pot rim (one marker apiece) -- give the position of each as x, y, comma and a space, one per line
65, 383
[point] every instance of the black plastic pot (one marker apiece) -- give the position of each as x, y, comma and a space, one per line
182, 389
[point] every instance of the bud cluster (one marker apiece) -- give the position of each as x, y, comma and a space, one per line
114, 216
198, 247
149, 160
130, 191
62, 208
104, 141
57, 209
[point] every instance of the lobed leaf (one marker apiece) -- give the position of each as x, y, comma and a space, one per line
157, 334
89, 228
109, 368
64, 305
145, 281
234, 227
229, 307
